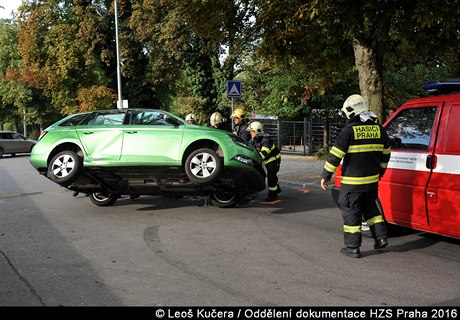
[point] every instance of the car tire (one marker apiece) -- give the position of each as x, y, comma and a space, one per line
103, 199
224, 199
64, 168
1, 153
203, 166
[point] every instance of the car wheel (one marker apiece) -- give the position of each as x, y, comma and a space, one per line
224, 199
103, 199
203, 166
1, 153
64, 168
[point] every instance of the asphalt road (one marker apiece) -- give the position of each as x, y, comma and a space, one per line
56, 249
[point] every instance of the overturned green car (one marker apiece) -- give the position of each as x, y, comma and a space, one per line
134, 152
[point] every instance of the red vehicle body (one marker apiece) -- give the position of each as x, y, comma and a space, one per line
421, 187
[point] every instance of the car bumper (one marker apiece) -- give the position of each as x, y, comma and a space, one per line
249, 176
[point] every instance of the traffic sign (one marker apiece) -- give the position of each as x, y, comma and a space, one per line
233, 89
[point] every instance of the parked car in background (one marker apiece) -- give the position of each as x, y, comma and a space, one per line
135, 152
12, 143
419, 189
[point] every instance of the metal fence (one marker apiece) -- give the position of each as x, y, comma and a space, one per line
301, 137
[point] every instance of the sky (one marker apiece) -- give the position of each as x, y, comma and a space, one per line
8, 6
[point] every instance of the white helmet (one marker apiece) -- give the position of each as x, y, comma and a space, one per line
190, 117
216, 118
353, 106
257, 127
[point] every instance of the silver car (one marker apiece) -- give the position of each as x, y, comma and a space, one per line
13, 142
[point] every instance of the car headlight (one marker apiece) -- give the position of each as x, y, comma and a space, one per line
243, 159
240, 141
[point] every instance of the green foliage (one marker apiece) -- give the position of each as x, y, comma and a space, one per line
322, 153
406, 82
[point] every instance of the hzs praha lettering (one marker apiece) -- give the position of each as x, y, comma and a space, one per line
413, 314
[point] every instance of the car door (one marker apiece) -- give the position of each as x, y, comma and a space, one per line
152, 138
443, 190
9, 143
5, 139
402, 189
20, 143
101, 135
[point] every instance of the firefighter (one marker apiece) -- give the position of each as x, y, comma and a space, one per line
240, 128
217, 122
191, 118
271, 157
363, 147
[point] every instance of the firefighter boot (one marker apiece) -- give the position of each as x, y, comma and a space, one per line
380, 244
272, 196
351, 252
278, 189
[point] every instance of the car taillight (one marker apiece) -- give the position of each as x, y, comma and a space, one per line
42, 134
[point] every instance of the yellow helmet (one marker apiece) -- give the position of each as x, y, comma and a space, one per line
257, 127
353, 106
216, 118
239, 113
190, 117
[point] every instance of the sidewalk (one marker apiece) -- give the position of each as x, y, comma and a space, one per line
300, 170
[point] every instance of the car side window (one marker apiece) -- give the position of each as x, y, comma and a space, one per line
17, 136
75, 120
411, 129
114, 118
155, 118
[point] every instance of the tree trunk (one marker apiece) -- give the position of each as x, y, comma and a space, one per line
368, 59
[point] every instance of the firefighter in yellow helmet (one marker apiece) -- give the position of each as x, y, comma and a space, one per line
271, 157
239, 120
191, 118
363, 147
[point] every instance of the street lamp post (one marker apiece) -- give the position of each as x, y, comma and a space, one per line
120, 99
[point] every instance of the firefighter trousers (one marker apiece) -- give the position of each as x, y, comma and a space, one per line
356, 205
272, 178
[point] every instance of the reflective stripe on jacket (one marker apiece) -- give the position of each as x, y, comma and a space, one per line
267, 149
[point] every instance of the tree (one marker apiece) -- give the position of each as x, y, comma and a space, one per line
191, 36
321, 34
14, 96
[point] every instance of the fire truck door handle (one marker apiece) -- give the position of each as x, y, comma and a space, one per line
430, 161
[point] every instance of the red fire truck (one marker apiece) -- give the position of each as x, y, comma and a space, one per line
420, 189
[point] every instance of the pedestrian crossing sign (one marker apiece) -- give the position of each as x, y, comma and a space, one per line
233, 89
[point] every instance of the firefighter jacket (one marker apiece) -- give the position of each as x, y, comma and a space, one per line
266, 148
364, 149
240, 131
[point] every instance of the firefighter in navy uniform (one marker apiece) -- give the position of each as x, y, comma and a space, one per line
217, 122
240, 125
271, 157
363, 147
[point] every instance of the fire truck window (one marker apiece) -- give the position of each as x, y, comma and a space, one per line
411, 129
452, 142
